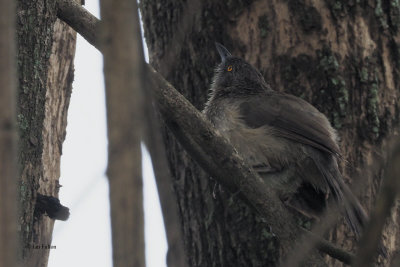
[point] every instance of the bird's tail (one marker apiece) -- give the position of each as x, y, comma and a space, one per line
355, 214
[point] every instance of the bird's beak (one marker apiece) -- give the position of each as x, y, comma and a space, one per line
223, 52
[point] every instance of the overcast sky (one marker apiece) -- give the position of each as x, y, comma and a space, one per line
85, 239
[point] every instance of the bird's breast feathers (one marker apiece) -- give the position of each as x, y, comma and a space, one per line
259, 145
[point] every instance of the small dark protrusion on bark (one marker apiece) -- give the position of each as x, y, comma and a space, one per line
50, 206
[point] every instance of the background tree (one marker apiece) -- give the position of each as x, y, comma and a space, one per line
8, 136
46, 48
124, 73
341, 56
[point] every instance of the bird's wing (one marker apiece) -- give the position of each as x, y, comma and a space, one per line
292, 118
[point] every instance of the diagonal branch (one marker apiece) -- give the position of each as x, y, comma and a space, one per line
164, 182
208, 148
81, 20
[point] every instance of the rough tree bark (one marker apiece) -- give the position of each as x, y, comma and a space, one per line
45, 66
342, 56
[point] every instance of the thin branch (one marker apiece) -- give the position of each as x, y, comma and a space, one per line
73, 14
154, 143
124, 72
329, 248
8, 136
370, 241
308, 241
209, 149
327, 220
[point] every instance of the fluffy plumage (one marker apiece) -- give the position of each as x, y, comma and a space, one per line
275, 131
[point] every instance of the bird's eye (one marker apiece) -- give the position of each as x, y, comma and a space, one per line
229, 68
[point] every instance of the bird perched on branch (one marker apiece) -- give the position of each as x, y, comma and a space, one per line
273, 132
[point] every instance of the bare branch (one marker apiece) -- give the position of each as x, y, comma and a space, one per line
124, 77
73, 14
8, 136
329, 248
209, 149
153, 139
310, 240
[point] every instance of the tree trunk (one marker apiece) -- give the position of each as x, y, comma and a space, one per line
341, 56
46, 49
8, 136
124, 73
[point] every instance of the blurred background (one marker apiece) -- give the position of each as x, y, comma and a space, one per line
87, 233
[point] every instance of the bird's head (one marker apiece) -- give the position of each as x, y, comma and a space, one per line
234, 76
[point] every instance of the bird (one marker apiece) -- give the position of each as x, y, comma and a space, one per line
51, 206
274, 131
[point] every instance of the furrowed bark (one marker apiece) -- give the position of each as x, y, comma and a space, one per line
45, 71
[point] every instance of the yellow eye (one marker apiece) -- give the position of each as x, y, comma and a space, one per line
229, 68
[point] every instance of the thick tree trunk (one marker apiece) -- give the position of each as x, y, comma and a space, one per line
45, 65
341, 56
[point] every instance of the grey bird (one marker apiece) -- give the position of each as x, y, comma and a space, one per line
273, 132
